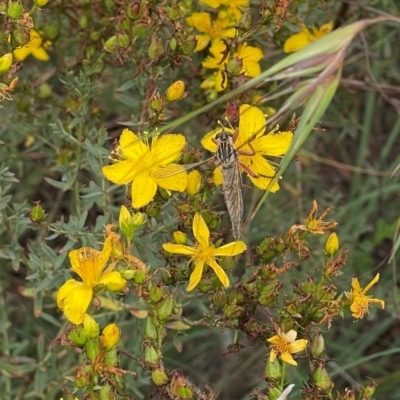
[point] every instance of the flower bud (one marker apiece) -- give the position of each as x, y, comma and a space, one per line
179, 387
193, 183
245, 21
77, 336
151, 355
272, 370
110, 336
175, 92
349, 394
37, 214
274, 393
15, 9
317, 344
322, 380
234, 66
156, 48
174, 13
150, 332
92, 348
111, 358
159, 377
165, 307
135, 9
180, 237
368, 391
110, 44
125, 222
157, 103
188, 46
90, 327
5, 63
332, 244
173, 44
139, 277
155, 293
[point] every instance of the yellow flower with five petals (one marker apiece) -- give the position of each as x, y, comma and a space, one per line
205, 254
360, 303
302, 39
74, 297
35, 47
147, 166
221, 27
253, 145
284, 345
249, 55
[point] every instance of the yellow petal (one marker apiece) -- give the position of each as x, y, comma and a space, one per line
121, 173
178, 249
193, 182
250, 53
323, 31
272, 355
251, 68
297, 345
113, 281
273, 144
202, 42
230, 32
132, 146
200, 230
356, 286
218, 47
200, 20
171, 177
212, 3
262, 168
207, 142
195, 276
167, 148
298, 41
276, 339
230, 249
251, 124
41, 54
288, 358
74, 299
144, 189
221, 81
222, 276
218, 176
21, 53
372, 283
290, 336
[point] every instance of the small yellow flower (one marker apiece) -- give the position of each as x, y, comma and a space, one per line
176, 91
110, 336
254, 144
211, 30
302, 39
284, 345
74, 297
36, 46
204, 253
332, 244
249, 55
147, 167
193, 182
359, 301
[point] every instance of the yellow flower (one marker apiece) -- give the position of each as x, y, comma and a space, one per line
249, 55
253, 145
221, 27
147, 167
284, 345
302, 39
204, 253
359, 301
36, 46
74, 297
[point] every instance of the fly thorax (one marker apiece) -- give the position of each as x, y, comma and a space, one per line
226, 153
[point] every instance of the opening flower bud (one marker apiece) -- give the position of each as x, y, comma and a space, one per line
175, 92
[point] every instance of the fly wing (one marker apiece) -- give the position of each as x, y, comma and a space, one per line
232, 187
